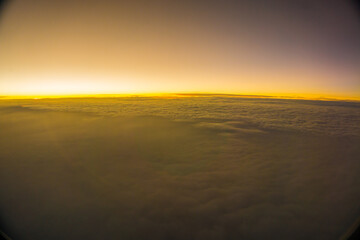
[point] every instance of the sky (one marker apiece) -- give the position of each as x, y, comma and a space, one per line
282, 48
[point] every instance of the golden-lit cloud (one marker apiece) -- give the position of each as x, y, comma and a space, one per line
234, 169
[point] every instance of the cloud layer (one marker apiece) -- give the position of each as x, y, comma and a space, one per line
322, 117
256, 169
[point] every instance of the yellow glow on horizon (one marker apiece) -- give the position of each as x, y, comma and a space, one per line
102, 86
169, 95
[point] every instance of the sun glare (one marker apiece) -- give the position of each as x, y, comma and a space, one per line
55, 86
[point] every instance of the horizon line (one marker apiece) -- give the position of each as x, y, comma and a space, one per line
319, 97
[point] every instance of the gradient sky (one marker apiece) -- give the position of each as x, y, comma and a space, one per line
279, 47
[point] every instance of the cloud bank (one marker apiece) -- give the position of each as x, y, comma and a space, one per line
252, 170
